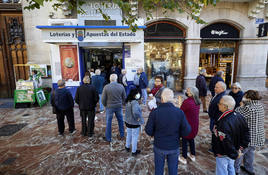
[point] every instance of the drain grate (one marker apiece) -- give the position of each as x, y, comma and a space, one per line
11, 129
9, 161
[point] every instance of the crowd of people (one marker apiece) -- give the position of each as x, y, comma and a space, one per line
236, 120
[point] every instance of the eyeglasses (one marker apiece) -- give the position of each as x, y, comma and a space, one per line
235, 88
157, 80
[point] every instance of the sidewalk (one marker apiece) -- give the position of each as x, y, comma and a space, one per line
36, 147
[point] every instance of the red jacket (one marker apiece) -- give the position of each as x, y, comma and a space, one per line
191, 111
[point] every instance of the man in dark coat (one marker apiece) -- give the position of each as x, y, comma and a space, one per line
143, 83
201, 85
214, 80
64, 104
167, 124
230, 136
98, 82
87, 97
213, 110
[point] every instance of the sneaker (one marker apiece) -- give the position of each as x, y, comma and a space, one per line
192, 157
136, 153
104, 138
182, 160
127, 149
101, 112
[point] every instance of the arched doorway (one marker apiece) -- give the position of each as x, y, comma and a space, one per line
219, 50
164, 53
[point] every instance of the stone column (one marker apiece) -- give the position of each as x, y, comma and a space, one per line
192, 54
251, 73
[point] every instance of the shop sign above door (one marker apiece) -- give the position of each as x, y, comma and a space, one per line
52, 34
219, 30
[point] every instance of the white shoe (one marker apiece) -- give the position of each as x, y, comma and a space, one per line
192, 157
182, 160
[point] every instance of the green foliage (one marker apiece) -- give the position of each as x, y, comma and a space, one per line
191, 7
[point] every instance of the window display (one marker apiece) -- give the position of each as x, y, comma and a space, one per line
218, 56
165, 59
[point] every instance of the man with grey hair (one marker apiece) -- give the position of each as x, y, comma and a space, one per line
64, 104
214, 80
123, 78
113, 97
201, 85
167, 124
143, 83
98, 82
230, 136
87, 97
213, 110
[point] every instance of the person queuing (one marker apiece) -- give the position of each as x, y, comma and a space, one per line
143, 83
64, 104
113, 97
98, 82
230, 136
214, 80
253, 111
123, 79
133, 121
201, 85
236, 93
213, 110
87, 97
190, 107
158, 88
167, 124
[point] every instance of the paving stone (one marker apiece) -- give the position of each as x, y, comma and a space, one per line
39, 149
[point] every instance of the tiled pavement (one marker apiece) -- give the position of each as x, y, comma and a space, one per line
37, 149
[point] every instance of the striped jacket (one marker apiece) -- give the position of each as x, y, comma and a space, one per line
253, 111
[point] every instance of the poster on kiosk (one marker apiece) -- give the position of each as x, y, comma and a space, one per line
66, 66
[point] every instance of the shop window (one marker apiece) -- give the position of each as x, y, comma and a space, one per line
218, 56
165, 59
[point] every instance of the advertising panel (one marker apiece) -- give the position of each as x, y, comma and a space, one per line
69, 62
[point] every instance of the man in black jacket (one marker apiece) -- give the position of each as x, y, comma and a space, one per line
64, 104
230, 136
87, 97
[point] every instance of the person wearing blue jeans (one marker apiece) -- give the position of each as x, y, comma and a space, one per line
98, 82
113, 97
230, 135
101, 105
109, 117
224, 166
144, 95
132, 139
248, 159
143, 83
172, 160
133, 120
167, 124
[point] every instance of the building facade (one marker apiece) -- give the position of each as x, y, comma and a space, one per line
172, 45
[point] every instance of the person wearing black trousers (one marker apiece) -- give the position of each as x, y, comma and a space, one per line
63, 103
87, 97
